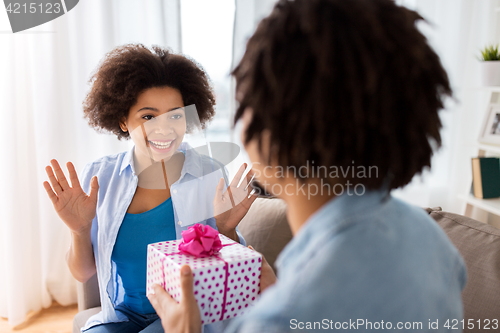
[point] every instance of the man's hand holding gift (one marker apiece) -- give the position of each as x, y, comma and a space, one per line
178, 317
184, 316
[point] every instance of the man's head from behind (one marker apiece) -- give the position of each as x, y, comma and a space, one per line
342, 83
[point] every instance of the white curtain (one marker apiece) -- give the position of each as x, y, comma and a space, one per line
44, 76
247, 16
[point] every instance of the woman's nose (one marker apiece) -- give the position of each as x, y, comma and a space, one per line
163, 125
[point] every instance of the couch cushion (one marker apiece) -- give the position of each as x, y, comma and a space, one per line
88, 294
265, 227
479, 244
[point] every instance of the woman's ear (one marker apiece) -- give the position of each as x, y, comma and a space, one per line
123, 125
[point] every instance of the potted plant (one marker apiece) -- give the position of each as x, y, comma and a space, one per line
490, 65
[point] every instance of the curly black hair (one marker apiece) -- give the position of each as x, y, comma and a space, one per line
128, 70
339, 82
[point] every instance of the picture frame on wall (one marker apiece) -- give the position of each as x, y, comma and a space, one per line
490, 131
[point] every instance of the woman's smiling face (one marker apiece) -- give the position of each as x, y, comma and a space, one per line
157, 122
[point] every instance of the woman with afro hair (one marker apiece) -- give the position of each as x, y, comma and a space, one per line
148, 194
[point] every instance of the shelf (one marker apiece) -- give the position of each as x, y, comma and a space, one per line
490, 148
489, 205
486, 88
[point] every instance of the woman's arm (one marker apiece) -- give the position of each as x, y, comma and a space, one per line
80, 256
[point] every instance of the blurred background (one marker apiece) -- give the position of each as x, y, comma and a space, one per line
44, 73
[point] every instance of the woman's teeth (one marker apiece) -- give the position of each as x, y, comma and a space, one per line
161, 145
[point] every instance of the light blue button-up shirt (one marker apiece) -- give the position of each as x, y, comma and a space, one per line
361, 262
192, 198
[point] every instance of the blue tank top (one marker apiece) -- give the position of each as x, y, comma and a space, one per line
130, 251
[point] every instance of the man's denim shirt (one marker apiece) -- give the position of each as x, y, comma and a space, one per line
192, 198
358, 262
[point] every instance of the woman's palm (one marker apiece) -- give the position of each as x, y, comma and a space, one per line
72, 204
232, 205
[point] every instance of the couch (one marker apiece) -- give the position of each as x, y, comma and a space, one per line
265, 228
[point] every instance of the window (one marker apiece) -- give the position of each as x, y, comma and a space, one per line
207, 33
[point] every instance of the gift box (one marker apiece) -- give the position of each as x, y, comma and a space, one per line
226, 277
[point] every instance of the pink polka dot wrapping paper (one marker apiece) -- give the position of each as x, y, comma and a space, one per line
242, 279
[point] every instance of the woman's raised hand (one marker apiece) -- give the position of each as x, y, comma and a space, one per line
232, 205
72, 204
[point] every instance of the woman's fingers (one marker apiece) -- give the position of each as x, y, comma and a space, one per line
60, 175
237, 177
53, 181
250, 175
94, 188
75, 183
50, 192
219, 190
249, 178
230, 195
250, 199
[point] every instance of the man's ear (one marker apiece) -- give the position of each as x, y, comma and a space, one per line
245, 120
266, 152
123, 125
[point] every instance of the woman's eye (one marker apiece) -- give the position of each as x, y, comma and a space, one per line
177, 116
148, 117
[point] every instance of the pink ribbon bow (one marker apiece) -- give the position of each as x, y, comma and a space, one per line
200, 241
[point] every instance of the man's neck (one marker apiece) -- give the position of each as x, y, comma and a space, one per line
301, 206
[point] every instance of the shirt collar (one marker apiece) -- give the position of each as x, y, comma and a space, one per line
331, 217
193, 163
128, 160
